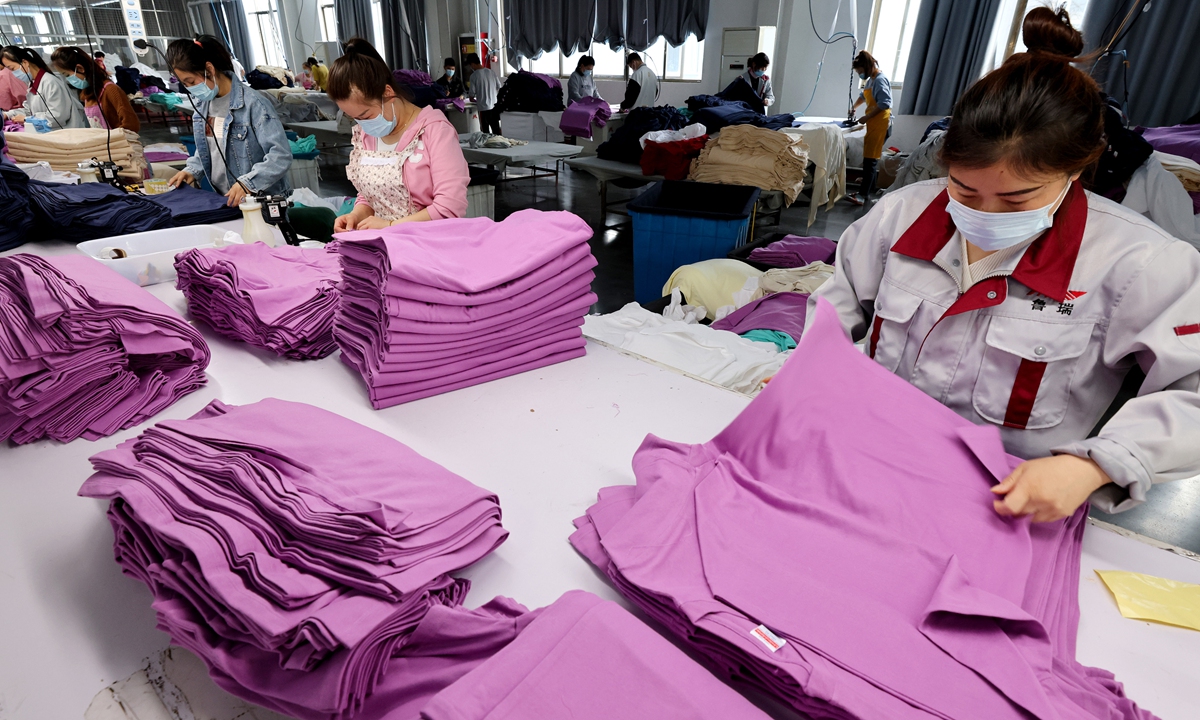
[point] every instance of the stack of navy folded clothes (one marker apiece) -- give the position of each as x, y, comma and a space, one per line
426, 308
296, 573
281, 299
190, 206
92, 210
14, 198
84, 352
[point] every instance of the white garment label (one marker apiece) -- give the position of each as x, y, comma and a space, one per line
378, 161
770, 640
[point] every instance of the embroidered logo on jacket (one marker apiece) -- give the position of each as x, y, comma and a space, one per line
1066, 307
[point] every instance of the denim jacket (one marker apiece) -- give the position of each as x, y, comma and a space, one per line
256, 146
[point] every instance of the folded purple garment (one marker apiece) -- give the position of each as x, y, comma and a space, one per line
447, 103
577, 119
907, 596
588, 659
784, 312
476, 254
295, 573
84, 352
795, 251
154, 157
422, 313
281, 299
1182, 140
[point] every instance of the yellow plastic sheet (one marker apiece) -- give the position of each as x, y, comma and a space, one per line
1145, 597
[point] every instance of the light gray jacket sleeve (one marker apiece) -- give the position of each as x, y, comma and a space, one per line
1155, 437
574, 87
768, 92
858, 272
61, 101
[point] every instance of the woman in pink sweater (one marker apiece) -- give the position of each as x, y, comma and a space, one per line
406, 163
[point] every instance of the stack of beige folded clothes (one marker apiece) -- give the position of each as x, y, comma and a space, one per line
65, 149
746, 155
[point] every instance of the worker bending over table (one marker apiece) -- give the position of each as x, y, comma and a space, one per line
406, 163
582, 83
104, 102
247, 150
877, 95
318, 72
642, 89
47, 94
1021, 301
758, 80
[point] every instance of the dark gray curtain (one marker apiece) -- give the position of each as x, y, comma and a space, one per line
229, 17
1162, 79
537, 26
948, 48
354, 20
671, 19
404, 43
610, 23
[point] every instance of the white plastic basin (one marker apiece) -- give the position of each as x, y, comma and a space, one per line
151, 255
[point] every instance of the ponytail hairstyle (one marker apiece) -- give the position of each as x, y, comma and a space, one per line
864, 61
1050, 31
312, 62
1036, 112
585, 60
67, 59
361, 68
193, 56
18, 54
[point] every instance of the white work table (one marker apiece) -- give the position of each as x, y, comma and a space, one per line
544, 441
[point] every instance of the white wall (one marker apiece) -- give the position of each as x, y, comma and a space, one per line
800, 53
300, 23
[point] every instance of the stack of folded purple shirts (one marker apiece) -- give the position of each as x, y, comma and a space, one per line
849, 562
292, 550
427, 308
795, 251
281, 299
84, 352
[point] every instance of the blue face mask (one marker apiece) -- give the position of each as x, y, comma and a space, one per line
587, 73
862, 76
378, 126
758, 73
202, 92
77, 82
23, 76
449, 72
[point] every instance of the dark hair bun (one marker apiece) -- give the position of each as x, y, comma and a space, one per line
1050, 31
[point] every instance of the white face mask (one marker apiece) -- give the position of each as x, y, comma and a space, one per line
991, 231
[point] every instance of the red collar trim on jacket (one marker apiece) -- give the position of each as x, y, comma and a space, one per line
1047, 265
37, 81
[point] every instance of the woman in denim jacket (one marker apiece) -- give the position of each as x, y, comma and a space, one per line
247, 150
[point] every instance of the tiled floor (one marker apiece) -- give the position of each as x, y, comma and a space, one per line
1172, 514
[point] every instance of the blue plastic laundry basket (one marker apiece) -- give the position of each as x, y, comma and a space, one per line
677, 223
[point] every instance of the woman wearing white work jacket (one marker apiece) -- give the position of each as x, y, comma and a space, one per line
1019, 300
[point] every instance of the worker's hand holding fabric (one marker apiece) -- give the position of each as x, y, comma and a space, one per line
1049, 488
183, 177
236, 195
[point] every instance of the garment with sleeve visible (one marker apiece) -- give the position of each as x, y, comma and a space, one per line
52, 97
117, 110
581, 86
642, 90
904, 596
435, 175
762, 87
12, 90
1040, 346
485, 86
1159, 195
257, 149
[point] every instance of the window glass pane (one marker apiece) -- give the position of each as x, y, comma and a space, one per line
547, 64
656, 55
328, 24
570, 61
609, 63
693, 59
673, 66
893, 36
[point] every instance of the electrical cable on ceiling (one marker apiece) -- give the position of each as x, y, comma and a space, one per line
820, 65
312, 50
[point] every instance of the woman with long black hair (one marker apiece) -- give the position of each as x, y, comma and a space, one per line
49, 95
106, 105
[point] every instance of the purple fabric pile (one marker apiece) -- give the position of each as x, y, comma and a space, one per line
795, 251
447, 103
281, 299
294, 572
427, 308
849, 561
588, 659
578, 118
84, 352
1182, 140
783, 312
